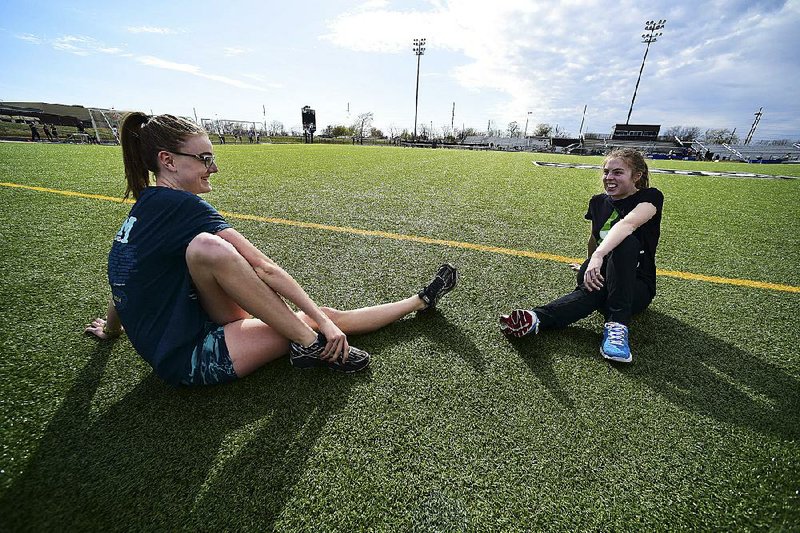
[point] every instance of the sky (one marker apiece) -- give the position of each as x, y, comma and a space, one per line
715, 65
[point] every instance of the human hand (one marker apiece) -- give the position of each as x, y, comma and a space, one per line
592, 278
98, 329
337, 345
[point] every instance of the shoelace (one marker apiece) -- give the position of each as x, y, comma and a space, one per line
616, 334
513, 323
436, 285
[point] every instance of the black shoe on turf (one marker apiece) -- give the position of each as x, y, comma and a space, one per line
310, 357
445, 280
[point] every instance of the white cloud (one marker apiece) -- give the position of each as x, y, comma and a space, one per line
151, 61
263, 81
82, 45
374, 4
75, 44
194, 70
29, 38
552, 58
152, 29
505, 47
233, 51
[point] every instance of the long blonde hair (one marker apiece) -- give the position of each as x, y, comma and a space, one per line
142, 137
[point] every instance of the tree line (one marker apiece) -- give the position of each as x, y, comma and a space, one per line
362, 127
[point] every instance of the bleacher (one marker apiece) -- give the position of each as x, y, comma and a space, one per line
648, 147
753, 153
98, 124
493, 142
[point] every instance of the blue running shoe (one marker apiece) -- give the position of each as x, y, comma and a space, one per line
310, 357
615, 343
519, 323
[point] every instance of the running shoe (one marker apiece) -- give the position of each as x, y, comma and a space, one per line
615, 343
311, 357
519, 323
443, 282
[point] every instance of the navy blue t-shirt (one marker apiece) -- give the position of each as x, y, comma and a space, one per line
604, 212
150, 282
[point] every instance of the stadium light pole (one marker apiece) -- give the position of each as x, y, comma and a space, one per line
525, 135
647, 38
419, 50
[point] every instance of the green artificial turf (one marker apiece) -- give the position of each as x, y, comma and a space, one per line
453, 428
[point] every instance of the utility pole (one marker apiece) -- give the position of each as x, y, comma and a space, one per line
647, 38
419, 50
453, 120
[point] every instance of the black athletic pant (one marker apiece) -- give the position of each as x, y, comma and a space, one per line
623, 293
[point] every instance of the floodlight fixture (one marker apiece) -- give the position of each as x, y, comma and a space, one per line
651, 26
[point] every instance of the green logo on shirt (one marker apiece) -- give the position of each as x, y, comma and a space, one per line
612, 219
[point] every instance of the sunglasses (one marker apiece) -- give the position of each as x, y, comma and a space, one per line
207, 160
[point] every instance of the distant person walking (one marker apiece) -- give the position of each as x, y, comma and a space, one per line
619, 276
198, 301
47, 132
54, 131
34, 133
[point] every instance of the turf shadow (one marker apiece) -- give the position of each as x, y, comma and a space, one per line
703, 373
688, 367
165, 459
434, 326
537, 352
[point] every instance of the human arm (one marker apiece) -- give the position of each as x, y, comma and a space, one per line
592, 278
106, 328
283, 284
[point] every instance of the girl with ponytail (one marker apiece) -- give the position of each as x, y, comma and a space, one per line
143, 137
198, 301
618, 277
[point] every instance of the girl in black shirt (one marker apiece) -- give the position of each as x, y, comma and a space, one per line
619, 276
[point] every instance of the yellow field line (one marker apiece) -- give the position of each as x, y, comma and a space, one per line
441, 242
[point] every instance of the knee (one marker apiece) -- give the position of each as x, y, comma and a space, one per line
208, 249
631, 241
630, 245
331, 313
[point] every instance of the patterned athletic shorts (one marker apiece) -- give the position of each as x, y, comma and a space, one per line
211, 363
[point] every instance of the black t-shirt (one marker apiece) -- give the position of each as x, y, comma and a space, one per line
150, 282
604, 212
